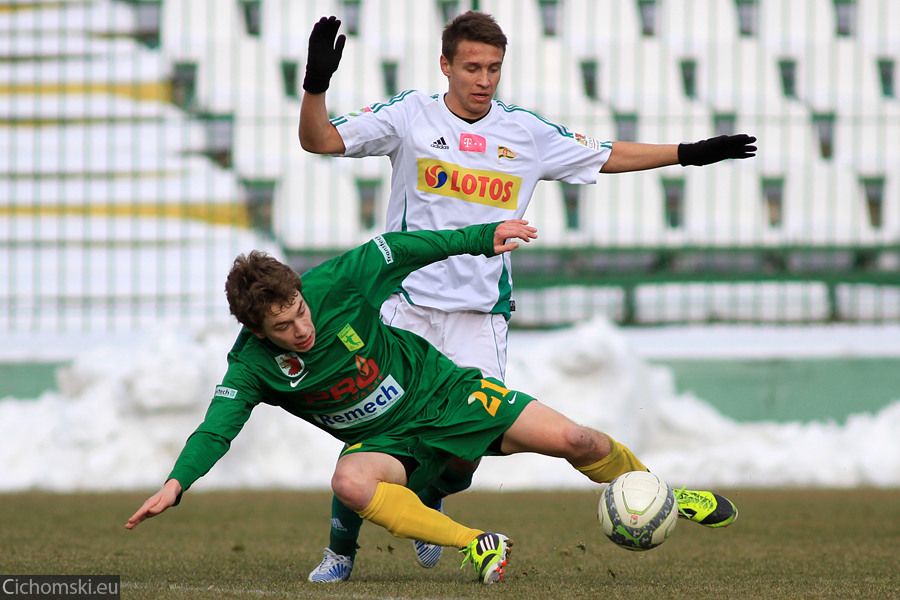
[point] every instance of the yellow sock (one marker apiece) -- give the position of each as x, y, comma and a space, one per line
619, 460
400, 511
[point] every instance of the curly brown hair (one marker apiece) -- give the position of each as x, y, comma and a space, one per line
255, 284
473, 26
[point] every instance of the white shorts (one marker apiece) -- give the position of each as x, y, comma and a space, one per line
468, 338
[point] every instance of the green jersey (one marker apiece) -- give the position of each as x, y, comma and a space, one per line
362, 380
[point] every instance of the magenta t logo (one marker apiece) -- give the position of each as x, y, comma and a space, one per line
470, 142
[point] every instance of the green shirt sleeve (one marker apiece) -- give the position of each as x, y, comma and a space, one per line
380, 265
224, 419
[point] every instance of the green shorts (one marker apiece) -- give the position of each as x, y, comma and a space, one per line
460, 426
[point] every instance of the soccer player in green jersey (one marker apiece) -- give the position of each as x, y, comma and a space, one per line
316, 347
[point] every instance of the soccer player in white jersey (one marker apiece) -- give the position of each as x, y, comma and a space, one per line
461, 158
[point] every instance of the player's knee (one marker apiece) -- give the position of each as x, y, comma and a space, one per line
349, 489
585, 444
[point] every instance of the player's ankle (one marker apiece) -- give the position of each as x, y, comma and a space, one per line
344, 547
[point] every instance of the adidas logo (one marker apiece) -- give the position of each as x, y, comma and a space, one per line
336, 523
440, 144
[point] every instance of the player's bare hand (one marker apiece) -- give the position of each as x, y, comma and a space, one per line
156, 503
509, 231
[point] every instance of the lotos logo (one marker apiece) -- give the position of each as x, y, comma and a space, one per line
490, 188
435, 176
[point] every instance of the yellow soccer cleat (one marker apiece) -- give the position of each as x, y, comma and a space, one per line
706, 508
489, 552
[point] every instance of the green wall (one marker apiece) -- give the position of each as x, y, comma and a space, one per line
790, 389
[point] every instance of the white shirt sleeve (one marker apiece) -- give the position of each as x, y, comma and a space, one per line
379, 129
570, 157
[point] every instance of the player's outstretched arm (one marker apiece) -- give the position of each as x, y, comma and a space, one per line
512, 230
632, 156
316, 132
156, 503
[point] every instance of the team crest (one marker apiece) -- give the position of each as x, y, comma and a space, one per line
350, 338
504, 152
291, 364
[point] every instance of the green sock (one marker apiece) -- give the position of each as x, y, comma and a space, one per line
449, 482
345, 524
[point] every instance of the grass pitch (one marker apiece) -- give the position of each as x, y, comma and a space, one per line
785, 544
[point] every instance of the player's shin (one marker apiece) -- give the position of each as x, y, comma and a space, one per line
400, 511
619, 460
345, 525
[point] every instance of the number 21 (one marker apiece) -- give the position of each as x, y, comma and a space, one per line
494, 400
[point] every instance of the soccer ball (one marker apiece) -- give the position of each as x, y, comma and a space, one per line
638, 511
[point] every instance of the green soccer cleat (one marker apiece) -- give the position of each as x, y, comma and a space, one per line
489, 553
706, 508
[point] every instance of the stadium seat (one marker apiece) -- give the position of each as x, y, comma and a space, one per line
815, 198
626, 210
779, 23
105, 17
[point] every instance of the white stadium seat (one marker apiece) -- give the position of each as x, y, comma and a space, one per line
48, 16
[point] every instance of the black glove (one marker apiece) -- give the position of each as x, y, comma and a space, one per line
324, 54
706, 152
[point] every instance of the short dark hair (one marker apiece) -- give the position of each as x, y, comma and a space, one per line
473, 26
255, 283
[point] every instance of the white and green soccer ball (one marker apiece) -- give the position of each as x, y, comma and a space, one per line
638, 511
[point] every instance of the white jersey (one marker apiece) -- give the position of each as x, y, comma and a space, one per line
448, 173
